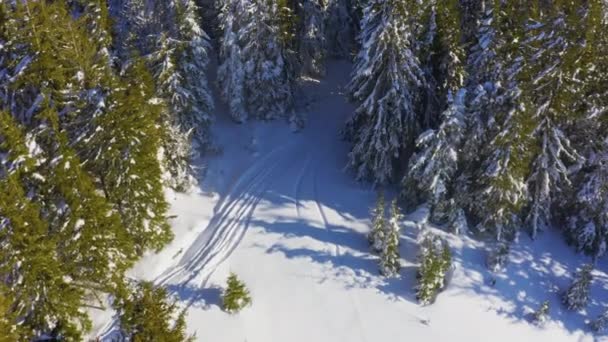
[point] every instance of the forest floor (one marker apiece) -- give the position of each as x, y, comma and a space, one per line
277, 208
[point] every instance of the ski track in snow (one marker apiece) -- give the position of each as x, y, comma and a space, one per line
298, 184
229, 223
321, 212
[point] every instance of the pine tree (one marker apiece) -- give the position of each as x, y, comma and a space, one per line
177, 140
376, 236
442, 55
340, 28
254, 75
147, 314
498, 194
435, 262
193, 63
432, 170
32, 269
587, 226
385, 84
124, 158
312, 47
550, 97
231, 72
600, 323
390, 262
542, 314
236, 297
577, 295
8, 324
498, 256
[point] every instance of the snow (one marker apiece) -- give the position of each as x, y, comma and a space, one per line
282, 214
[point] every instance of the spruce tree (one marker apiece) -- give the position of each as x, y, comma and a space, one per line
8, 324
587, 226
577, 295
340, 28
550, 99
376, 236
390, 262
432, 170
254, 74
435, 260
542, 314
498, 256
600, 323
148, 314
312, 48
236, 296
385, 84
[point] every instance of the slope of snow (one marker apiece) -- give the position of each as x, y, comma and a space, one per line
277, 208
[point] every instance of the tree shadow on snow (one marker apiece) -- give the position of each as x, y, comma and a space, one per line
534, 274
203, 298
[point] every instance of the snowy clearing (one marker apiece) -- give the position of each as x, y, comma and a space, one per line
278, 209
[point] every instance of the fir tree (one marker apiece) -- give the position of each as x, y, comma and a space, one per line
236, 297
587, 226
124, 158
390, 262
435, 262
312, 47
8, 324
254, 75
600, 323
577, 295
340, 28
542, 314
432, 170
376, 236
231, 72
498, 256
147, 314
385, 84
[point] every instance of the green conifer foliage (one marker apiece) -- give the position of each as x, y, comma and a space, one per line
390, 261
435, 262
148, 314
236, 296
378, 229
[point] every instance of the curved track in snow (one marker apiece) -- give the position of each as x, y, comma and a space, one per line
229, 223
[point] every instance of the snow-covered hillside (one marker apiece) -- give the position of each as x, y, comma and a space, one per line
278, 209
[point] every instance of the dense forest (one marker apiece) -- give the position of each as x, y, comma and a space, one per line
493, 112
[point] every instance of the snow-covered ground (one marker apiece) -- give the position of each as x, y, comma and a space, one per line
278, 209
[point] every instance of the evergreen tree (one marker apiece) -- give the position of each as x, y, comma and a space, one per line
432, 170
340, 28
600, 323
385, 84
442, 55
577, 295
124, 158
499, 191
231, 72
390, 262
147, 314
435, 262
498, 256
549, 98
542, 314
587, 226
8, 324
193, 62
254, 76
236, 297
31, 268
376, 237
312, 47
